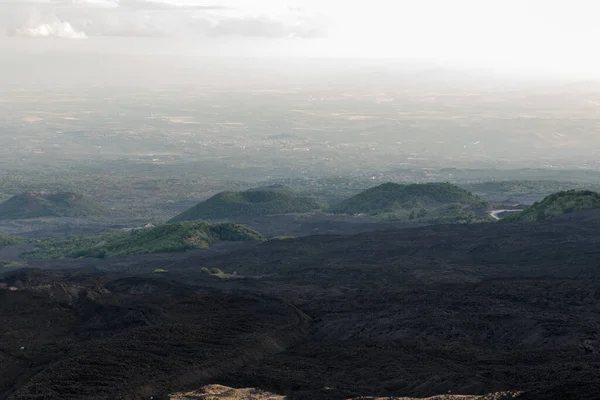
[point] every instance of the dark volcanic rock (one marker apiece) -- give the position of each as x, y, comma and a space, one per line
133, 344
410, 312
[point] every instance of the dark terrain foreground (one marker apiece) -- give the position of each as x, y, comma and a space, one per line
466, 309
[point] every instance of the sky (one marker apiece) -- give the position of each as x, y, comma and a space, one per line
534, 36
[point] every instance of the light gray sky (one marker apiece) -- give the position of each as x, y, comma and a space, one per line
558, 36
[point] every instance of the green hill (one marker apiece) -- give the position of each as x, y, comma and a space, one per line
174, 237
44, 204
441, 203
557, 204
391, 197
253, 202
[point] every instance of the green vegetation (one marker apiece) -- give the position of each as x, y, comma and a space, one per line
429, 202
218, 273
173, 237
6, 240
283, 238
254, 202
215, 272
13, 264
558, 204
43, 204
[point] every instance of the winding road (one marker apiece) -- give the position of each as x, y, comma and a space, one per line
494, 213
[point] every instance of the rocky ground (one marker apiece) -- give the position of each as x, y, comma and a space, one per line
219, 392
429, 311
315, 224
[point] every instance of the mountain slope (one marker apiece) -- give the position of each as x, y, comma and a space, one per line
557, 204
252, 202
392, 196
44, 204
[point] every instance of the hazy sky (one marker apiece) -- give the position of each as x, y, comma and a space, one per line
536, 35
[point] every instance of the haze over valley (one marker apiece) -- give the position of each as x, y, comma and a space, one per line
299, 120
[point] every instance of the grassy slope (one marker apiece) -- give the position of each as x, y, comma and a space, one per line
558, 204
248, 203
391, 196
164, 238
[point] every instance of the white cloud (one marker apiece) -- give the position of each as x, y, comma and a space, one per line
80, 18
57, 29
533, 34
32, 21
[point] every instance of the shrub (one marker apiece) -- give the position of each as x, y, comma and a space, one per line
13, 264
6, 240
283, 238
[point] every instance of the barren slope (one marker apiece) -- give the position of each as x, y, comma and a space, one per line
418, 312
